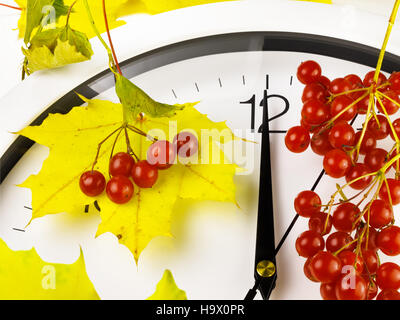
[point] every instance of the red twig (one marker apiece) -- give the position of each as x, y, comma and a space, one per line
8, 6
109, 38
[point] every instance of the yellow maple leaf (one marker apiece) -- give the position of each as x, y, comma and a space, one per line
24, 276
73, 140
167, 289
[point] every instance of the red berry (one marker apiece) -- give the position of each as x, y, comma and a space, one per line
340, 103
325, 267
372, 289
394, 80
375, 159
187, 144
381, 130
372, 235
354, 80
297, 139
369, 79
161, 154
314, 90
389, 294
339, 240
390, 107
342, 135
370, 259
368, 143
394, 188
345, 216
309, 243
318, 221
340, 85
120, 189
388, 241
328, 291
315, 112
357, 171
351, 287
309, 72
320, 142
336, 163
362, 106
92, 183
307, 203
388, 276
324, 81
396, 126
349, 258
121, 164
144, 174
381, 214
307, 271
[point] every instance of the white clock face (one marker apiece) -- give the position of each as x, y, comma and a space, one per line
212, 252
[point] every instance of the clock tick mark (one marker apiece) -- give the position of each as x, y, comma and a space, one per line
220, 82
28, 208
267, 81
291, 80
197, 87
174, 94
244, 80
19, 230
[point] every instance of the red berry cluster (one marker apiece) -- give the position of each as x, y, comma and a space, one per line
345, 260
161, 155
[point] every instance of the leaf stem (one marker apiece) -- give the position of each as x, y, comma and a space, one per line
69, 12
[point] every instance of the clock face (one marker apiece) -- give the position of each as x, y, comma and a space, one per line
214, 243
212, 252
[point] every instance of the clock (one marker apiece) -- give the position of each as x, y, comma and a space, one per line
239, 60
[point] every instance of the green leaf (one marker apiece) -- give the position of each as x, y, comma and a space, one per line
134, 101
55, 48
167, 289
35, 14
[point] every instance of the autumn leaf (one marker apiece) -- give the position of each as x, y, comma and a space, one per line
167, 289
55, 48
73, 140
24, 276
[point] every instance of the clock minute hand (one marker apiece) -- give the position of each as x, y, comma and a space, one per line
265, 263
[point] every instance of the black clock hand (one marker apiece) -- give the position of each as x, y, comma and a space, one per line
265, 270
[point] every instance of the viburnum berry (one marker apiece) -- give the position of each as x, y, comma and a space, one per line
339, 104
121, 164
325, 267
307, 271
351, 287
336, 163
357, 171
187, 144
369, 79
309, 72
396, 126
324, 81
375, 159
388, 241
316, 91
342, 135
388, 276
372, 236
320, 142
120, 189
144, 174
92, 183
306, 203
349, 258
368, 143
354, 80
380, 214
371, 262
340, 85
394, 190
297, 139
372, 289
339, 240
389, 294
362, 106
345, 216
161, 154
394, 80
328, 291
309, 243
319, 224
315, 112
389, 103
379, 130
